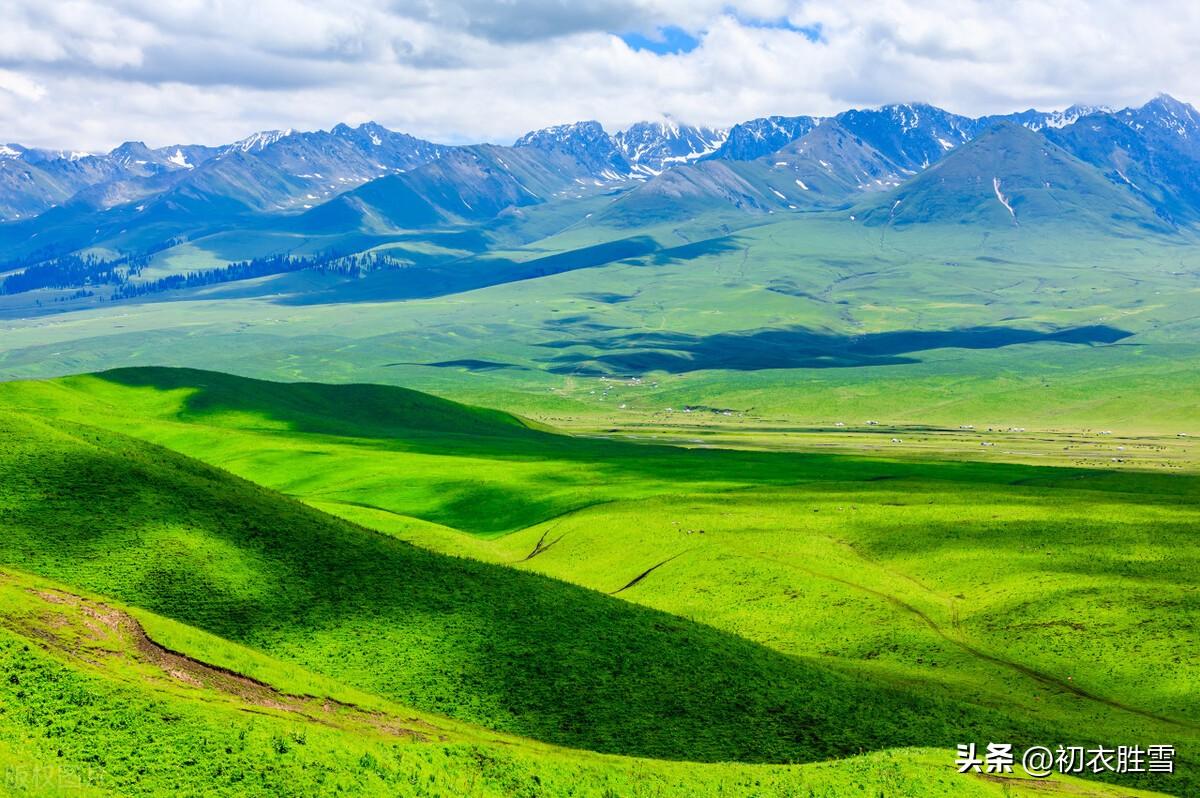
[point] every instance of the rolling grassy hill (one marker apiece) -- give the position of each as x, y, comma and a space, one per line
765, 607
98, 706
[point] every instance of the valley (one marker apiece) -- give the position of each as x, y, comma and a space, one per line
774, 460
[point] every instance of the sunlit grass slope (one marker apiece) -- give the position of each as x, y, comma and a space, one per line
94, 706
842, 603
508, 650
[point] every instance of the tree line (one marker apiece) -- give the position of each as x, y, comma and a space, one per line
75, 271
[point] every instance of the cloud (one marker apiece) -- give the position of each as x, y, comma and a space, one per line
92, 73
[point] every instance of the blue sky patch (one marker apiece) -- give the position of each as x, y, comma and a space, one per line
811, 32
665, 41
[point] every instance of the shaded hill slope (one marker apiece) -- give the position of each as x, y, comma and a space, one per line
481, 643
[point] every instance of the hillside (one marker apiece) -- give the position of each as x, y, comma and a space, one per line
1010, 176
878, 614
512, 651
171, 722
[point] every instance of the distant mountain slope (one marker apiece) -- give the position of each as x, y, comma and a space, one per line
1154, 151
469, 184
836, 162
912, 136
651, 147
33, 181
311, 167
822, 168
1011, 176
757, 138
585, 142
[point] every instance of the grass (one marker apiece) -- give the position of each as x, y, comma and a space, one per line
819, 273
711, 570
791, 607
90, 710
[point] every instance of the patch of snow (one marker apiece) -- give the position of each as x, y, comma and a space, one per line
800, 183
259, 141
777, 194
8, 152
946, 145
179, 159
1003, 199
1127, 180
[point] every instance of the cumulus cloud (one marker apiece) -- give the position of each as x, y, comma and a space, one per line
92, 73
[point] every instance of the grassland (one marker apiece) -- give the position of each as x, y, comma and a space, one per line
765, 606
532, 346
95, 706
722, 562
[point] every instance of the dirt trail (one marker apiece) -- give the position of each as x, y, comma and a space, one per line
646, 573
542, 546
107, 625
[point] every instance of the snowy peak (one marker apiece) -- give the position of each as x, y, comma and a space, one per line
913, 135
258, 142
750, 140
1043, 120
1060, 119
586, 142
565, 137
1165, 113
651, 147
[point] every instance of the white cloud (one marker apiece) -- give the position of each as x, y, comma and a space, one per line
89, 73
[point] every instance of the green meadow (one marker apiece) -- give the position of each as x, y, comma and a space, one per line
572, 614
771, 507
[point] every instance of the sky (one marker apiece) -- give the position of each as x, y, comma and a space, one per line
87, 75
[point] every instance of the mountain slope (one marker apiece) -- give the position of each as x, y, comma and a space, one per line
584, 142
1153, 151
206, 715
822, 168
651, 147
1008, 177
760, 137
465, 185
910, 135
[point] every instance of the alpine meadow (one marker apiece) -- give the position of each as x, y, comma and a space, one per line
848, 455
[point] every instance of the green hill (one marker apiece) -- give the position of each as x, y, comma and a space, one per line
485, 644
768, 607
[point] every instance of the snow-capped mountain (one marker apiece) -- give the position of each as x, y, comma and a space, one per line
913, 135
791, 162
758, 137
1153, 151
256, 142
651, 147
586, 142
1042, 120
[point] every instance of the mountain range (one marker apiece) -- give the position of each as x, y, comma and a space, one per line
350, 188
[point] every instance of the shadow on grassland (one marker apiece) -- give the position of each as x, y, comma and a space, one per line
796, 347
509, 650
424, 281
392, 419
